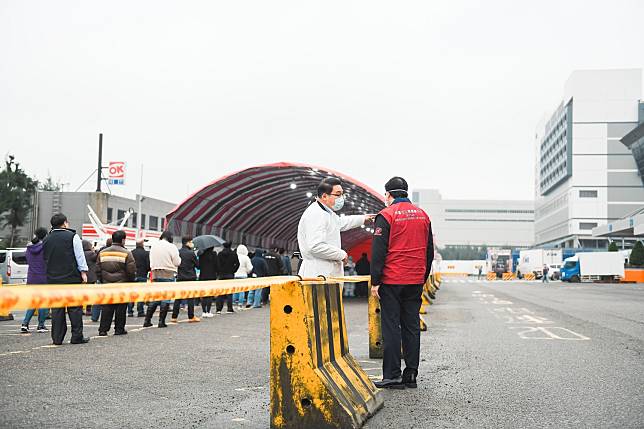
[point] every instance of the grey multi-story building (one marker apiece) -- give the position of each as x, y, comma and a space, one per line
492, 223
585, 177
110, 209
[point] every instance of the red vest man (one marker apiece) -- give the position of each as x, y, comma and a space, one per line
402, 255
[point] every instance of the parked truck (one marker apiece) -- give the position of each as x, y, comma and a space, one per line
499, 261
593, 266
532, 262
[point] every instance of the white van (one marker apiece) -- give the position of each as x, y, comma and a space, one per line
13, 266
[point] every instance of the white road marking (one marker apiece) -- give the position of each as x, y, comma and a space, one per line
549, 333
238, 419
247, 389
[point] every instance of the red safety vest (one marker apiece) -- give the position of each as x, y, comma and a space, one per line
406, 259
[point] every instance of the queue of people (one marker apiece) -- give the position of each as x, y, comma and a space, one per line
59, 256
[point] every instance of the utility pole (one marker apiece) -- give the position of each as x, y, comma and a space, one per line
99, 174
138, 214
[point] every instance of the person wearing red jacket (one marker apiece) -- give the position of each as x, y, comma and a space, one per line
401, 261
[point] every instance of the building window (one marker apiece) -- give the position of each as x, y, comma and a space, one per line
142, 221
154, 223
120, 214
587, 194
134, 219
489, 220
110, 214
586, 226
488, 211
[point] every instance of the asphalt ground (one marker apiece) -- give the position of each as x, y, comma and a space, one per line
497, 354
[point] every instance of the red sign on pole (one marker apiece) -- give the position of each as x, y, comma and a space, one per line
116, 173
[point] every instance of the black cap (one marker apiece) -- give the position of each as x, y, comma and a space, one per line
396, 184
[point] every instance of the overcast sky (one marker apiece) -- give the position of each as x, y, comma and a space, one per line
446, 94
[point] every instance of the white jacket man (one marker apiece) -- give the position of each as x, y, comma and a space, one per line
318, 233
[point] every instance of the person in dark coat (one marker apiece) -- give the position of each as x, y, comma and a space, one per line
228, 264
142, 260
286, 262
275, 268
65, 259
187, 272
260, 269
90, 258
363, 268
208, 271
36, 275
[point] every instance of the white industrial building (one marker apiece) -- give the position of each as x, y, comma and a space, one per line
585, 176
492, 223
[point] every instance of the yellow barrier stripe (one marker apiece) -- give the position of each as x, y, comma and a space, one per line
21, 297
351, 279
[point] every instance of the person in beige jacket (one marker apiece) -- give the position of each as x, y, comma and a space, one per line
164, 262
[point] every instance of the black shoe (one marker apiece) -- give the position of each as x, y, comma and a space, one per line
102, 334
410, 381
123, 332
163, 312
387, 383
140, 315
83, 340
130, 315
57, 344
147, 324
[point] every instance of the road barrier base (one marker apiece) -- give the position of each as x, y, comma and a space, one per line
315, 381
375, 329
423, 324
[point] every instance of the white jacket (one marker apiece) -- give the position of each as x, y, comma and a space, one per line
318, 236
245, 266
164, 256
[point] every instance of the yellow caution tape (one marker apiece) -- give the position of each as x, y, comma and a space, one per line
21, 297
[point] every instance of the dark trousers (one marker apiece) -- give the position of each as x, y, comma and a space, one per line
139, 305
59, 324
265, 294
400, 324
206, 303
139, 308
220, 302
113, 311
177, 306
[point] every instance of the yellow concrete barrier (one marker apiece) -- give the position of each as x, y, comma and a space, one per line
375, 329
423, 324
491, 276
5, 313
529, 276
508, 276
425, 302
315, 382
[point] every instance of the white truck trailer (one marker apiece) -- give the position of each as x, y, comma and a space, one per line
533, 260
593, 266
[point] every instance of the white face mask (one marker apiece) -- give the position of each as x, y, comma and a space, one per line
339, 203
